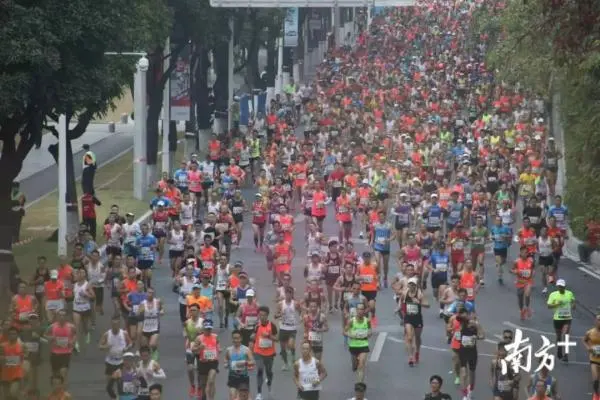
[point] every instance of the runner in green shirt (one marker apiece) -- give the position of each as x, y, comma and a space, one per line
358, 330
478, 238
562, 301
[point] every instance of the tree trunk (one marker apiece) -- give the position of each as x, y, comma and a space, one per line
71, 195
154, 85
221, 86
252, 71
8, 267
272, 57
203, 109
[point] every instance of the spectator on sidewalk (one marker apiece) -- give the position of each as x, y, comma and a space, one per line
88, 212
591, 241
88, 170
18, 209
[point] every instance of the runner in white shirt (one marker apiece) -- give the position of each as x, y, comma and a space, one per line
115, 341
186, 213
131, 231
96, 272
83, 294
287, 312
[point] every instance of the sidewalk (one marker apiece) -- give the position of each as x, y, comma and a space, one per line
571, 246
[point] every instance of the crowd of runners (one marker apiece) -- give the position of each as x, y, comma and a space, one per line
408, 142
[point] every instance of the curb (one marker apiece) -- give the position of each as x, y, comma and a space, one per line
23, 242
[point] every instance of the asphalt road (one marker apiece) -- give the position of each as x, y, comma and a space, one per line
388, 371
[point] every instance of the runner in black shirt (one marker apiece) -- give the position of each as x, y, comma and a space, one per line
436, 382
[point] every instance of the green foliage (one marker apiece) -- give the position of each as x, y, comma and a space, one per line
547, 46
52, 61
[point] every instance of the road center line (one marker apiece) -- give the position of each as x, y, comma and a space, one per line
523, 328
378, 348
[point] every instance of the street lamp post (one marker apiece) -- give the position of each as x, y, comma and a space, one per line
139, 141
62, 185
140, 114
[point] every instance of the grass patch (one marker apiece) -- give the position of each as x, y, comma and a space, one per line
114, 183
123, 105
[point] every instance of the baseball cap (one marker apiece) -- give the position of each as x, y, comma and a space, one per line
160, 204
561, 282
196, 286
207, 324
129, 354
414, 280
250, 293
54, 274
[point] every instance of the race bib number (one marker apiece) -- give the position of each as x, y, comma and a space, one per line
309, 381
596, 350
479, 240
210, 355
366, 278
39, 289
301, 177
381, 240
468, 341
237, 210
470, 292
315, 336
251, 321
62, 342
265, 343
337, 184
412, 309
361, 333
334, 269
128, 387
150, 325
564, 312
442, 267
12, 361
287, 187
32, 347
459, 245
343, 210
238, 366
525, 273
440, 172
504, 386
221, 285
457, 336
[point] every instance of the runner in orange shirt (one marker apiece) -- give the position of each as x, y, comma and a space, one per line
12, 354
344, 210
22, 305
524, 270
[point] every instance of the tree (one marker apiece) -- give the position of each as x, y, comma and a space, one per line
552, 47
196, 22
53, 62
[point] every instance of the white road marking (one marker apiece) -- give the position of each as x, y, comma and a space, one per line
589, 272
499, 337
523, 328
378, 348
490, 341
441, 350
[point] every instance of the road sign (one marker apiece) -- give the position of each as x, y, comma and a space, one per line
310, 3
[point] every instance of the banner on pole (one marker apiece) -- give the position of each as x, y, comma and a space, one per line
290, 28
180, 87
